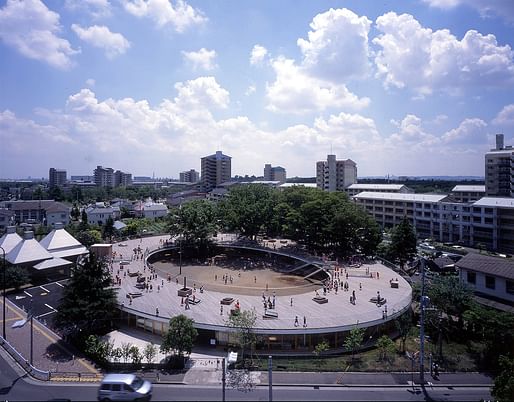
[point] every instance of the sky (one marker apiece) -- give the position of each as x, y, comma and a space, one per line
417, 87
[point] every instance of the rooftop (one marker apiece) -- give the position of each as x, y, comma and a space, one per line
496, 266
10, 239
401, 196
468, 188
495, 202
376, 186
28, 250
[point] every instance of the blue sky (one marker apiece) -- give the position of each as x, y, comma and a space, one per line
414, 87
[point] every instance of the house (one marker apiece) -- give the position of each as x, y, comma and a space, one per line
45, 212
6, 218
99, 213
150, 210
492, 279
177, 199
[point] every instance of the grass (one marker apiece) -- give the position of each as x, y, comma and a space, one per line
456, 357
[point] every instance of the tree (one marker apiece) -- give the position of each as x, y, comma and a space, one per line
244, 323
385, 345
249, 209
16, 277
354, 340
126, 350
403, 242
89, 302
83, 226
135, 354
503, 389
98, 349
180, 336
75, 213
195, 221
403, 325
89, 237
108, 229
319, 349
150, 352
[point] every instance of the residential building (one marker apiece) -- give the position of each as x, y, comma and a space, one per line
150, 210
499, 170
354, 189
492, 279
177, 199
6, 218
83, 178
216, 169
467, 193
104, 177
488, 221
287, 185
98, 213
189, 176
56, 177
335, 175
45, 212
274, 173
122, 178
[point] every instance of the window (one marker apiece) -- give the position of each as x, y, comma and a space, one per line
116, 387
472, 277
490, 282
509, 287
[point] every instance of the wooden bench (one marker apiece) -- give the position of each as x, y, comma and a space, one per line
227, 301
134, 294
320, 299
270, 314
395, 284
380, 302
195, 301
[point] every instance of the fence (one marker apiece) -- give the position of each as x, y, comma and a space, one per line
33, 371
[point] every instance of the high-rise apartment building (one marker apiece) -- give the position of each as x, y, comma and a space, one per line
274, 173
335, 175
56, 177
216, 169
499, 170
104, 177
122, 178
190, 176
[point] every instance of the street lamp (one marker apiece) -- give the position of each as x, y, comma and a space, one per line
3, 284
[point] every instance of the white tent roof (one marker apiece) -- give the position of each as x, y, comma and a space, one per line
28, 250
52, 263
72, 252
59, 239
10, 240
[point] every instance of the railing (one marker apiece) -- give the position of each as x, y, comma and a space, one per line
31, 370
74, 376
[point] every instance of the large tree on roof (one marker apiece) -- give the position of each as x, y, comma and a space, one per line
89, 302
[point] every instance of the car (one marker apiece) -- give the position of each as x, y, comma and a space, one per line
124, 387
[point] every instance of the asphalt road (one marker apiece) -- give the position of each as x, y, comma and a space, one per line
16, 388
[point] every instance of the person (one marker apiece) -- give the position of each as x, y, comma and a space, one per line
156, 310
436, 370
296, 321
221, 309
304, 321
291, 302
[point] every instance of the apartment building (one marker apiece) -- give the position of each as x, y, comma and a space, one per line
488, 221
189, 176
45, 212
122, 178
56, 177
274, 173
104, 177
467, 193
499, 170
354, 189
216, 169
335, 175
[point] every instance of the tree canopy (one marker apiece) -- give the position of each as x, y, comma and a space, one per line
88, 303
244, 323
195, 221
403, 242
180, 337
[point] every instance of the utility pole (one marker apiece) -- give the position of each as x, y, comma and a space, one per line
223, 379
422, 303
270, 377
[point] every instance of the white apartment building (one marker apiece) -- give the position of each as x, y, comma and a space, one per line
335, 175
467, 193
274, 173
216, 169
499, 170
189, 176
354, 189
488, 221
98, 213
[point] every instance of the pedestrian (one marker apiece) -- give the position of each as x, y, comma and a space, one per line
291, 302
360, 285
221, 309
353, 294
296, 321
157, 311
304, 321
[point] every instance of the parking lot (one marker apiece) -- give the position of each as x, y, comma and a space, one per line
42, 301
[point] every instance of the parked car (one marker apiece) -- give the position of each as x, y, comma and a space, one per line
124, 387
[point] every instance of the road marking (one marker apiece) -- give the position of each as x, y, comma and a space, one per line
27, 293
45, 314
57, 283
50, 307
45, 289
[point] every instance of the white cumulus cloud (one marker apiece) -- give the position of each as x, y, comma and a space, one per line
179, 14
258, 54
95, 8
412, 56
505, 116
337, 45
114, 44
33, 30
201, 60
293, 91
